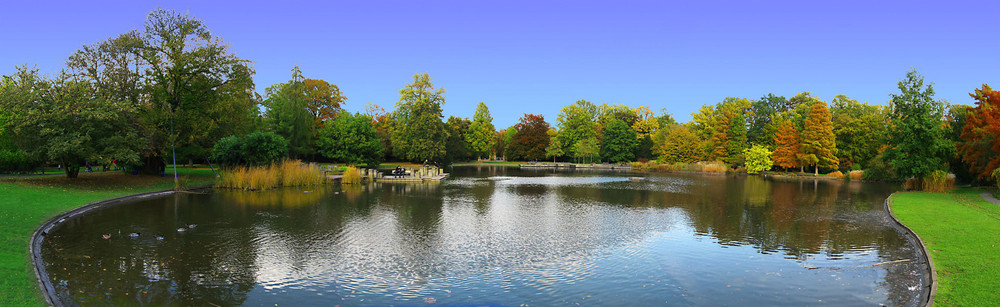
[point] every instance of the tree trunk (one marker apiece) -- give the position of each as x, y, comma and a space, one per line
72, 171
817, 170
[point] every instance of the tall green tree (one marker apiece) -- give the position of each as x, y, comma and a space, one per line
619, 142
819, 144
531, 139
288, 114
65, 121
481, 131
351, 139
577, 122
457, 148
419, 133
586, 149
185, 64
554, 150
760, 128
917, 142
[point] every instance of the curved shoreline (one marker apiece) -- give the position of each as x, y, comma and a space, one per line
931, 288
35, 243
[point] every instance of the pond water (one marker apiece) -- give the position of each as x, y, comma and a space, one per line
496, 236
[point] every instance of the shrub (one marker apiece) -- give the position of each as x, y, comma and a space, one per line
351, 176
855, 175
836, 174
879, 170
758, 159
254, 149
14, 161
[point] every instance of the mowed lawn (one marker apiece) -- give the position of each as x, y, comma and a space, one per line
962, 233
26, 203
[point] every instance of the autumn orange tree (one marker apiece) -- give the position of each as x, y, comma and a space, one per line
818, 141
531, 138
322, 99
981, 135
787, 145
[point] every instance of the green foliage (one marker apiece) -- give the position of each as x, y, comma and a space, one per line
555, 149
917, 143
723, 127
619, 142
857, 126
758, 159
457, 148
679, 144
577, 122
351, 139
761, 129
644, 147
586, 149
288, 115
419, 134
480, 136
254, 149
880, 170
64, 121
531, 139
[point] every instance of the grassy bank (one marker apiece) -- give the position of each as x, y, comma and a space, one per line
962, 233
26, 203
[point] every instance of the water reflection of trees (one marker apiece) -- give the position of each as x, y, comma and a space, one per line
796, 217
263, 238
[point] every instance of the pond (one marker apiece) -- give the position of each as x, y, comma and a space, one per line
497, 236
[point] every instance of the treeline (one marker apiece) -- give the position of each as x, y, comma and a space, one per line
173, 90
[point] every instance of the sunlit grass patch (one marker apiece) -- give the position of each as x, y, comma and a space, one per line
962, 234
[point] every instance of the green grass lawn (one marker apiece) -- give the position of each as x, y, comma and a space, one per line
26, 203
962, 233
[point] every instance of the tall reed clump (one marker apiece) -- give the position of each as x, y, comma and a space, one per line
836, 174
712, 167
938, 181
351, 176
294, 173
286, 173
856, 175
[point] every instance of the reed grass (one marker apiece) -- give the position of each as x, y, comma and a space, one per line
938, 181
351, 176
836, 174
856, 175
287, 173
713, 167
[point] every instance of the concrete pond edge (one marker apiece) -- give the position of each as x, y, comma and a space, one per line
35, 244
932, 287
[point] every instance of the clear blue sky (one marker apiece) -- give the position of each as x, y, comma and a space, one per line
537, 56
